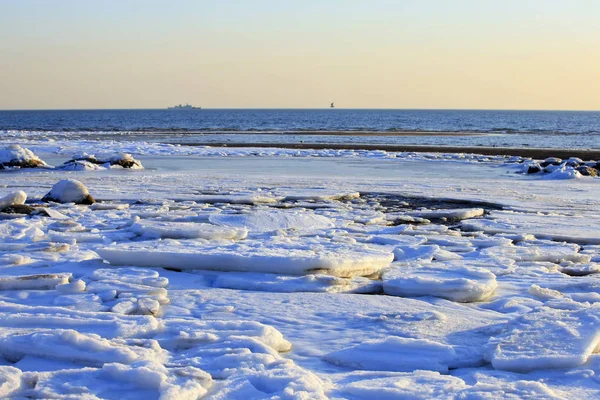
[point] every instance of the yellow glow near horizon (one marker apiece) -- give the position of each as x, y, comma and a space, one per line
402, 54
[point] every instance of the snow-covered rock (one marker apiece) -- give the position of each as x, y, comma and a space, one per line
69, 191
16, 198
15, 156
101, 161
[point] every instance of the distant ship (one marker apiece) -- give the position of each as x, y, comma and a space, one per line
184, 107
332, 105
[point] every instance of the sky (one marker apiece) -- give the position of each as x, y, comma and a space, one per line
473, 54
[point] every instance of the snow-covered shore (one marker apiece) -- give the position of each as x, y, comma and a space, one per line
268, 273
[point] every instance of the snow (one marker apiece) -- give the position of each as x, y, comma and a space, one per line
299, 274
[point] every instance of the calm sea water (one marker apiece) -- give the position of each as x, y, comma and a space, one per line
502, 128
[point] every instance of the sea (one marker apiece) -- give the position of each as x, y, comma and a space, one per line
545, 129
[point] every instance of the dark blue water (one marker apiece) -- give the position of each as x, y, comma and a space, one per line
304, 120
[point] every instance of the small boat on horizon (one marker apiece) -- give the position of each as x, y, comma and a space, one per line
332, 105
183, 107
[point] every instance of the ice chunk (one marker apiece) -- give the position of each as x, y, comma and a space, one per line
10, 381
404, 240
187, 230
77, 286
109, 206
551, 252
72, 346
395, 354
547, 338
418, 385
279, 380
454, 283
308, 283
35, 282
285, 257
171, 383
135, 276
105, 324
423, 253
140, 380
571, 228
179, 330
69, 191
544, 293
580, 269
450, 214
267, 221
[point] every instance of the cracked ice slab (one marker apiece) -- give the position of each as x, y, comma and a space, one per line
268, 221
395, 354
187, 230
547, 338
284, 256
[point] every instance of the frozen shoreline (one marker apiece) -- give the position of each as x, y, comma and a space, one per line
264, 293
536, 153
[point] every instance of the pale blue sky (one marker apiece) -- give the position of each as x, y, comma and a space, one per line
391, 54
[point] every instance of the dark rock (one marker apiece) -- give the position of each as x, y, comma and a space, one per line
534, 169
550, 161
19, 209
122, 160
33, 163
574, 162
587, 171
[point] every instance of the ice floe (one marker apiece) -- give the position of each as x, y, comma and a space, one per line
187, 230
282, 287
395, 354
275, 256
268, 221
547, 338
437, 279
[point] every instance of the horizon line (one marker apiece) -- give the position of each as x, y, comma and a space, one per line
306, 108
